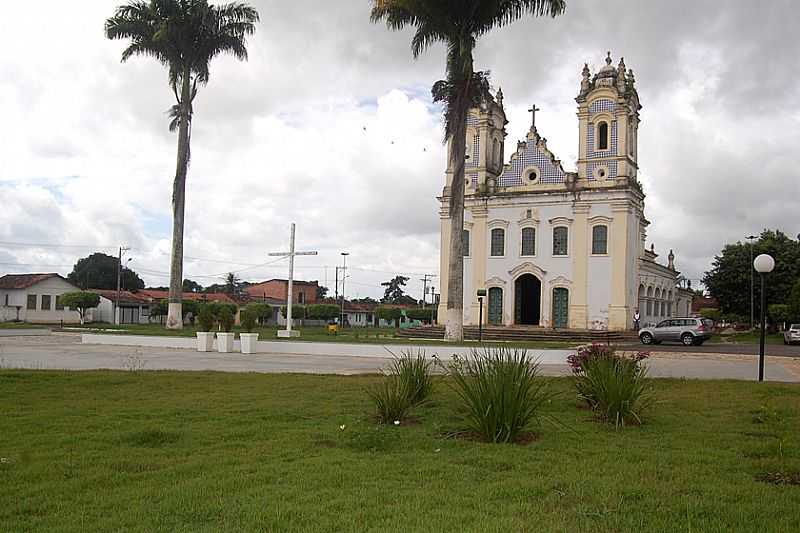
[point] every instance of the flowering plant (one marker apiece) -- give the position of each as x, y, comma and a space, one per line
615, 386
578, 361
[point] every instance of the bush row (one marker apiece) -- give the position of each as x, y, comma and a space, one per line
502, 393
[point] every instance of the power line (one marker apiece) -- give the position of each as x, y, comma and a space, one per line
52, 245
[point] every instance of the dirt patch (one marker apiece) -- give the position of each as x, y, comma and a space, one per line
779, 478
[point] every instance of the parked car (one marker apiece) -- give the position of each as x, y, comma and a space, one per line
689, 331
792, 335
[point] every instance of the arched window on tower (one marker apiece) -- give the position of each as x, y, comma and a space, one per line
496, 153
602, 136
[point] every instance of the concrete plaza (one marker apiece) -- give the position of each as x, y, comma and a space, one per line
65, 351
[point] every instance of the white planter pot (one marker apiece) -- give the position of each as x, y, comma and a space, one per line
248, 341
205, 341
225, 342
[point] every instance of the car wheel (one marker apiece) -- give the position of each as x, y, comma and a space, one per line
687, 339
646, 338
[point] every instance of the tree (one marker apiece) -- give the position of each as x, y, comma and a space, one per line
191, 286
232, 283
389, 314
99, 271
457, 25
184, 36
779, 314
322, 311
729, 278
80, 301
261, 311
794, 302
394, 289
322, 292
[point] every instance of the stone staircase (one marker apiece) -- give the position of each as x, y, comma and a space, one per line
525, 334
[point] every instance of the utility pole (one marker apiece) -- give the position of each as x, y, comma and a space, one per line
289, 297
344, 276
336, 289
122, 249
424, 281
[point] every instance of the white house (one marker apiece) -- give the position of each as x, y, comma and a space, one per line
35, 298
554, 248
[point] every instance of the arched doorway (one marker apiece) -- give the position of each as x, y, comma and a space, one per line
527, 300
560, 307
495, 306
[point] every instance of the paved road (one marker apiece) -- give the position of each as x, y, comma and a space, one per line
777, 350
61, 351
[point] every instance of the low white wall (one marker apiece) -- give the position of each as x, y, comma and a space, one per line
329, 349
15, 332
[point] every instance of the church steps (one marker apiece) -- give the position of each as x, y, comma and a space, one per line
523, 334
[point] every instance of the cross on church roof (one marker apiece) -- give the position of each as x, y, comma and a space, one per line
533, 111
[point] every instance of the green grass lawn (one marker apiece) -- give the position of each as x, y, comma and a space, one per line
313, 334
209, 452
21, 325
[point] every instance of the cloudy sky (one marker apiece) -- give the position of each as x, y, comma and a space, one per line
87, 161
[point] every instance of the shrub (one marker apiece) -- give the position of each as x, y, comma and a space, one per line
322, 311
225, 319
711, 313
392, 399
248, 320
205, 317
189, 306
160, 308
614, 386
414, 370
298, 311
389, 314
423, 315
501, 390
260, 311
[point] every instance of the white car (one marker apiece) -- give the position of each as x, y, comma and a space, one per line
792, 335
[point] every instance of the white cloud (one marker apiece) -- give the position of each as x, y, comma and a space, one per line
86, 157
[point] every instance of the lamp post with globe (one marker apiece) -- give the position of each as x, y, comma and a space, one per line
764, 264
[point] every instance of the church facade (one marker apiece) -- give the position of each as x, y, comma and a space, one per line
553, 248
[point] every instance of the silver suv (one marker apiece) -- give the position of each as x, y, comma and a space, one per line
689, 331
792, 335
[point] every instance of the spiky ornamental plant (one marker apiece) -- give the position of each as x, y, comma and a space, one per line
184, 36
457, 24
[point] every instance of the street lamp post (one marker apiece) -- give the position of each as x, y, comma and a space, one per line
481, 294
763, 264
752, 313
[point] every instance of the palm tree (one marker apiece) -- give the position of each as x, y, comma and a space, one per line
232, 283
184, 36
457, 24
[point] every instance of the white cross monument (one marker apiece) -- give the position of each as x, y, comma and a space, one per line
288, 332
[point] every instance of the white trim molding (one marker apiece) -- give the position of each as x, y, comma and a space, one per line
527, 268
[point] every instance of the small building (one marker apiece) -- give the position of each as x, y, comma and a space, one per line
133, 308
303, 292
35, 298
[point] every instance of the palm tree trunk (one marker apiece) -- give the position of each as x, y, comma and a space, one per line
454, 321
174, 314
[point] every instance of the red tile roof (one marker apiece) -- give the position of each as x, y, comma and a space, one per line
198, 296
23, 281
124, 296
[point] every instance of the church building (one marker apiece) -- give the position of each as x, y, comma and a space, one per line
560, 249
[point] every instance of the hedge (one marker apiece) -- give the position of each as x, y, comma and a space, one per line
321, 311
